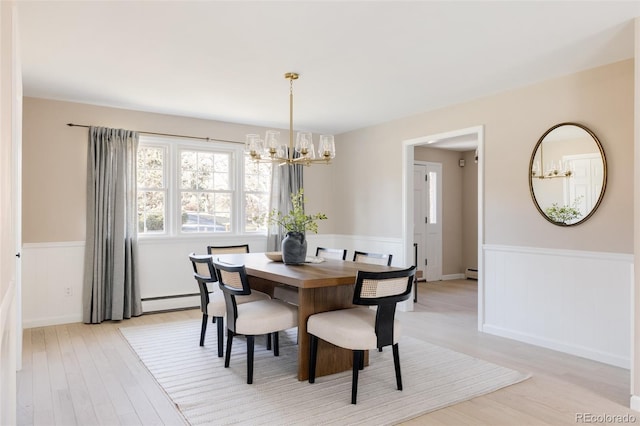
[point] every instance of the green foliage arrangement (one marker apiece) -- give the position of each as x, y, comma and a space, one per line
296, 220
564, 214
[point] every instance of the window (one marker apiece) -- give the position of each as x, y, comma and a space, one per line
205, 191
152, 189
257, 191
433, 197
206, 187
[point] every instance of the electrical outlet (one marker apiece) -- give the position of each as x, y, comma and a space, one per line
68, 291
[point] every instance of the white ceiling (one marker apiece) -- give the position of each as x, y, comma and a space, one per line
360, 63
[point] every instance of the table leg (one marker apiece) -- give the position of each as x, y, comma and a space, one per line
331, 359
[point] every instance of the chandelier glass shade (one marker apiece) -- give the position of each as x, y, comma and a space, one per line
301, 151
550, 170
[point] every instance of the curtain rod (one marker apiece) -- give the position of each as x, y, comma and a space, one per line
166, 134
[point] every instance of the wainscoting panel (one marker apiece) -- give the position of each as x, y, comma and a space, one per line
52, 276
571, 301
53, 272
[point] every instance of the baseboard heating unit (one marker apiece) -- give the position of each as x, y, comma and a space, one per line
174, 302
471, 274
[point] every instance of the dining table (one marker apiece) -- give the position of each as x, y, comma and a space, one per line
322, 285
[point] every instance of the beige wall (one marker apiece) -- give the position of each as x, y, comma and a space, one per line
601, 99
55, 157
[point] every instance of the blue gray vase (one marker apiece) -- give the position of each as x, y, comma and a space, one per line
294, 248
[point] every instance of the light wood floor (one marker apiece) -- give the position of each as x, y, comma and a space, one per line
78, 374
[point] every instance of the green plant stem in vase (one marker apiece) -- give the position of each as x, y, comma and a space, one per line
296, 223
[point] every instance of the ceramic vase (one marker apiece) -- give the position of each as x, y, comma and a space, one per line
294, 248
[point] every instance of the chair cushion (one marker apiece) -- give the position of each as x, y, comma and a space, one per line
217, 307
265, 316
352, 328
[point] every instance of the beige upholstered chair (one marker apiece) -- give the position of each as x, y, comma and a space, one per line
251, 319
241, 248
360, 328
331, 253
373, 258
212, 302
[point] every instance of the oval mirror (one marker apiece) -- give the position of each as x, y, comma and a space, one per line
567, 174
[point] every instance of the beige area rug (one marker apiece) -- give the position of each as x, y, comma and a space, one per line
207, 393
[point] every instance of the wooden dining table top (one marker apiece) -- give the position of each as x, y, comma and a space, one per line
328, 273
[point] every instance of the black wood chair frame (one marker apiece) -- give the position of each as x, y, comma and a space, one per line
373, 255
385, 316
204, 297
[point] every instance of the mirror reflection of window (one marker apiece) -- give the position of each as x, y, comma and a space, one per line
567, 174
433, 198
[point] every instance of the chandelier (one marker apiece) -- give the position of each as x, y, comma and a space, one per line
271, 150
552, 170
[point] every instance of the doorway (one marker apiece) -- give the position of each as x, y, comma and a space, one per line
459, 140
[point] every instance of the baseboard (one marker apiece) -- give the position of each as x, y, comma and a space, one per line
582, 352
634, 402
43, 322
453, 277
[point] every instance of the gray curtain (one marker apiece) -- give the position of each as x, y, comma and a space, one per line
286, 180
111, 290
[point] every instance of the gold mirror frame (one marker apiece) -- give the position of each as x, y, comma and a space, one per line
533, 175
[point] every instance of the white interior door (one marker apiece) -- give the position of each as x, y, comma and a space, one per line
585, 185
428, 218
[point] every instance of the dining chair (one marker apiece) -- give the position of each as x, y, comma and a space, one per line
361, 328
212, 303
251, 319
240, 248
372, 258
331, 253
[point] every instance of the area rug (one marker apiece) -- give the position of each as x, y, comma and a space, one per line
207, 393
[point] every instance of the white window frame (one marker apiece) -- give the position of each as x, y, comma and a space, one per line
165, 187
173, 146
